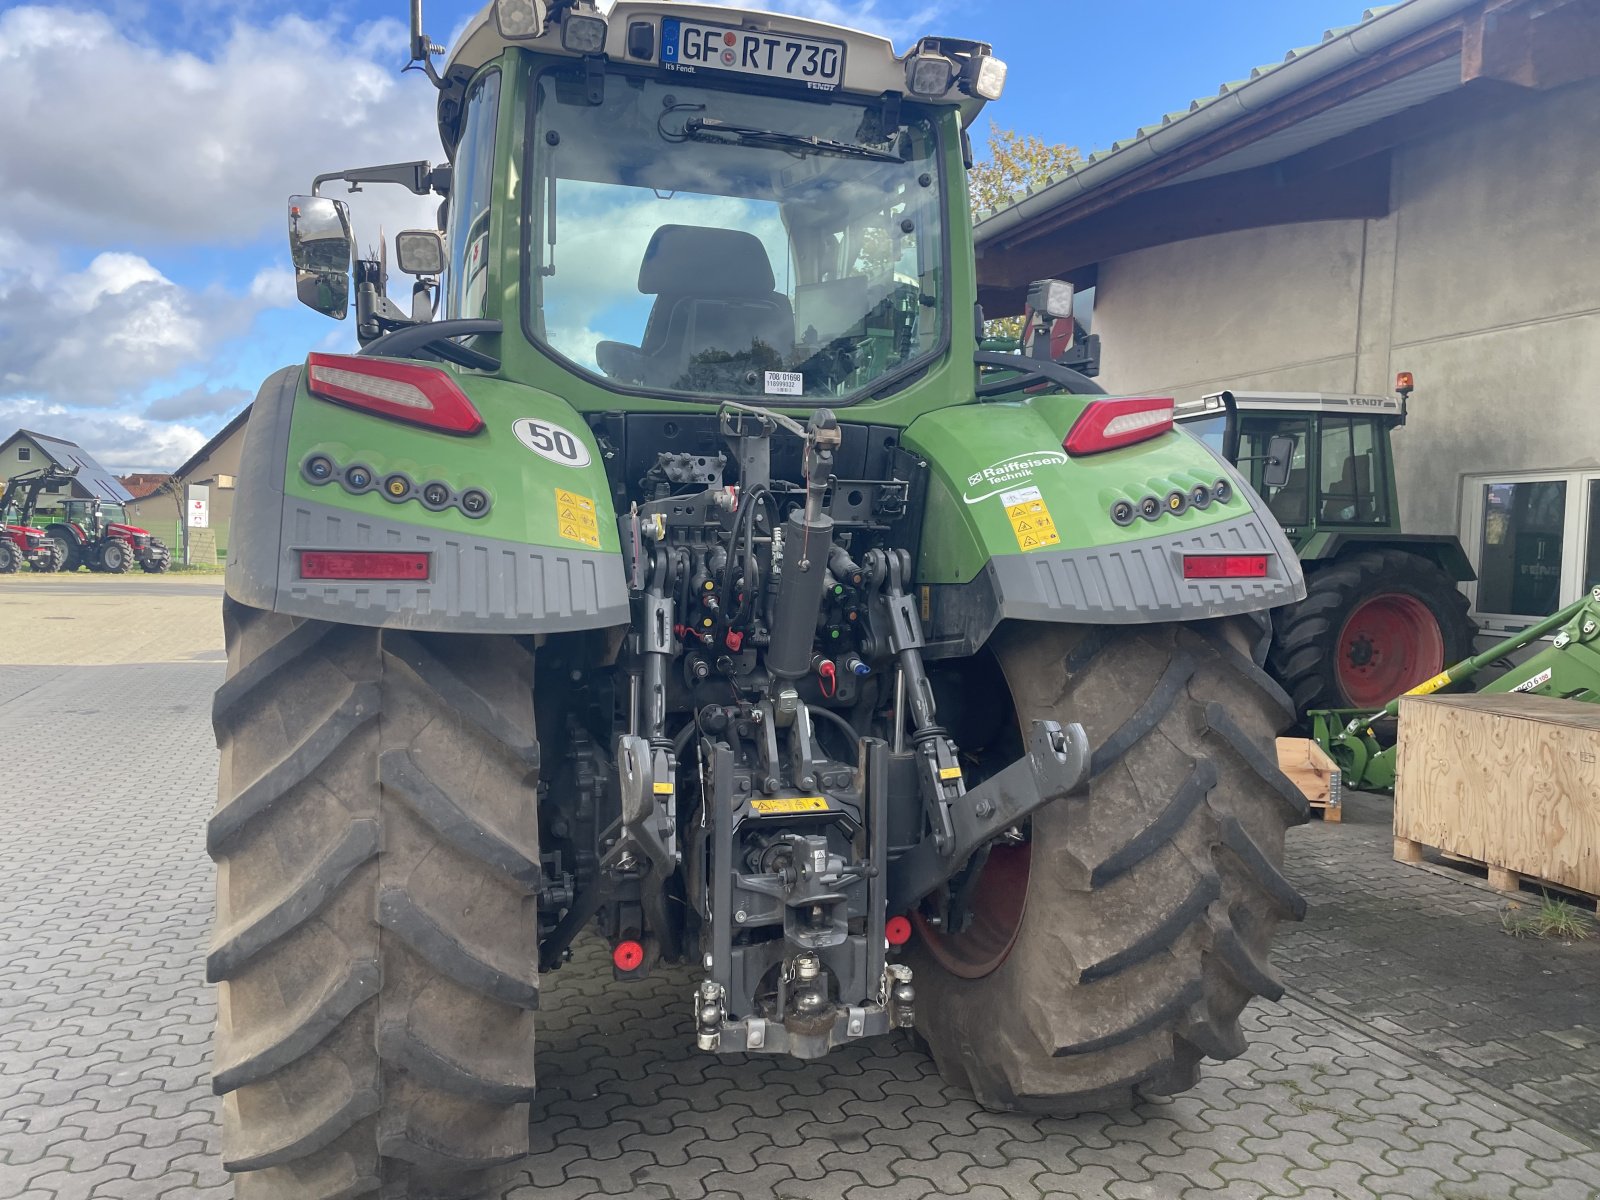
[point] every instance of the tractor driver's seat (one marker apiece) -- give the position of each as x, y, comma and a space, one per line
714, 293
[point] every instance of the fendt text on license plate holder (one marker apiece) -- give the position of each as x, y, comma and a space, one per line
695, 45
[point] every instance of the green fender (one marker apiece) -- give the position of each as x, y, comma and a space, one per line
1016, 527
541, 554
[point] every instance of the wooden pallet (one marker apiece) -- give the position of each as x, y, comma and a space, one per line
1501, 879
1316, 775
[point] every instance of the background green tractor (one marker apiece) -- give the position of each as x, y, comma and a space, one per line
679, 571
1382, 611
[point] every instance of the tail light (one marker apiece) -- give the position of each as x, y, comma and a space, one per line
364, 564
1109, 424
1224, 566
407, 392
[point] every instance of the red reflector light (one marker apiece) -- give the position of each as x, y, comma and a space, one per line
897, 931
1224, 566
1108, 424
406, 392
627, 955
363, 564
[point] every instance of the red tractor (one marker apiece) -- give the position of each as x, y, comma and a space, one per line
88, 533
21, 542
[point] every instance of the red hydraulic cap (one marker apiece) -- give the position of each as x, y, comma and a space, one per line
627, 955
897, 931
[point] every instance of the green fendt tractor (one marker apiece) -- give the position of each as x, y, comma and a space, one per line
1382, 611
683, 574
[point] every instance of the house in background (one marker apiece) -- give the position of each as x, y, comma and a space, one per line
26, 450
142, 483
215, 466
1419, 192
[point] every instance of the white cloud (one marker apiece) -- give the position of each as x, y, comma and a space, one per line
109, 139
121, 442
197, 401
93, 338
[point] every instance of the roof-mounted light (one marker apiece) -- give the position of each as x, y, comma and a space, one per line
520, 19
984, 77
929, 74
582, 33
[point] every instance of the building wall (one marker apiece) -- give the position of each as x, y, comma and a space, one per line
12, 463
159, 513
1484, 281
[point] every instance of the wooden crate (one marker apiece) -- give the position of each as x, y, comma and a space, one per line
1316, 775
1511, 781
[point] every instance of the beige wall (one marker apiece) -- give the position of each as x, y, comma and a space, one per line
1484, 281
160, 512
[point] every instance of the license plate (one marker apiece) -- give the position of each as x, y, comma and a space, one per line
695, 46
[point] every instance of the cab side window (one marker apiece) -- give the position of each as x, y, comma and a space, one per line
467, 278
1351, 486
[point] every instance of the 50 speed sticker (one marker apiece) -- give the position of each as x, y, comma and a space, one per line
1030, 518
549, 440
575, 518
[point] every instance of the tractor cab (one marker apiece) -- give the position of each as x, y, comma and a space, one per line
1320, 459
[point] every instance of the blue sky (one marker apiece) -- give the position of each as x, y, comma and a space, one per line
150, 145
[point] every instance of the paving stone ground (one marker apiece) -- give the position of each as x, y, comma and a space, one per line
1368, 1080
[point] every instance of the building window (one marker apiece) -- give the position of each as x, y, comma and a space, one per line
1534, 539
24, 454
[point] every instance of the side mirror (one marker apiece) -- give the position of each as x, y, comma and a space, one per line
419, 251
1280, 457
1051, 297
320, 239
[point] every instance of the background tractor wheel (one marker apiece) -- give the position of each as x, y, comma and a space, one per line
66, 549
10, 556
1118, 945
376, 941
1373, 624
116, 556
158, 558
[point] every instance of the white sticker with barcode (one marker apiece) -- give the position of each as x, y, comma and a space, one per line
785, 383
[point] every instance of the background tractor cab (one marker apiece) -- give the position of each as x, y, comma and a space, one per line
1382, 610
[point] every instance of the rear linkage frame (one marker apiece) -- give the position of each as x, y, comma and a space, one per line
723, 831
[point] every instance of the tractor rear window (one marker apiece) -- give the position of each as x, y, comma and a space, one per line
704, 242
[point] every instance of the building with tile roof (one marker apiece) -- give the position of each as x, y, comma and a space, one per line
1419, 191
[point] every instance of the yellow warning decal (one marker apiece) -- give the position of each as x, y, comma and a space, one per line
950, 773
575, 518
790, 804
662, 788
1030, 518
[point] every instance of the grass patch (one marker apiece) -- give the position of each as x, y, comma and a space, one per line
1552, 919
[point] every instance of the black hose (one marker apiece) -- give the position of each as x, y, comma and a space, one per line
834, 719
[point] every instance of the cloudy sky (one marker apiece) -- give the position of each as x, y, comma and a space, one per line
149, 145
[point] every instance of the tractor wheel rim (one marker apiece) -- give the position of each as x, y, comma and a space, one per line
998, 905
1388, 644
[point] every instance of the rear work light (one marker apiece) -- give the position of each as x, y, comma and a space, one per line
403, 565
1108, 424
406, 392
1224, 566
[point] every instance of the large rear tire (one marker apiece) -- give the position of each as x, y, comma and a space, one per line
1373, 625
1148, 899
376, 941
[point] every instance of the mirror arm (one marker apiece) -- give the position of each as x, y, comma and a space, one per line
418, 177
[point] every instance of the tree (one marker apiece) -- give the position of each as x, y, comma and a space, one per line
1016, 162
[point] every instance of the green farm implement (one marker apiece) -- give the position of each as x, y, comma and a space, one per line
1362, 741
